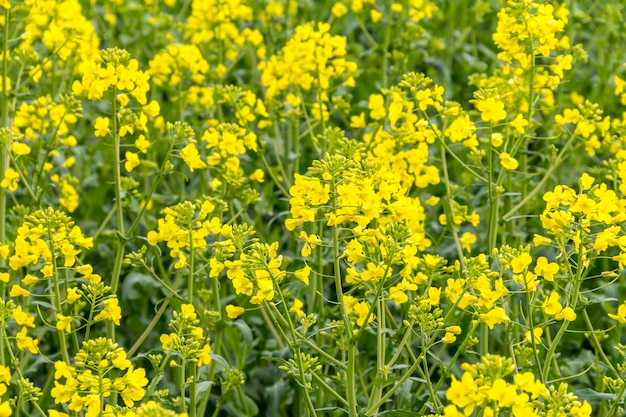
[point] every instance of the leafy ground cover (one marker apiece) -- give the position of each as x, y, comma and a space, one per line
312, 208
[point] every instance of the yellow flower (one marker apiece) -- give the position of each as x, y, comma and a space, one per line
566, 314
451, 333
621, 314
339, 9
303, 274
22, 318
491, 110
101, 127
519, 123
496, 140
537, 332
20, 149
205, 356
434, 296
17, 291
168, 341
373, 272
26, 342
5, 410
142, 144
551, 305
132, 161
545, 269
297, 307
134, 380
466, 240
72, 295
310, 242
64, 323
495, 316
188, 312
191, 157
521, 262
234, 311
111, 311
10, 179
376, 106
362, 309
152, 109
258, 175
508, 161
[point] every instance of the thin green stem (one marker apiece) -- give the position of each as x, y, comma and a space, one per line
574, 299
154, 321
193, 394
531, 323
183, 403
450, 220
350, 381
548, 174
294, 346
4, 122
190, 280
416, 364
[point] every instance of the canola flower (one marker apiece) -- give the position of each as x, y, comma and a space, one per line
239, 183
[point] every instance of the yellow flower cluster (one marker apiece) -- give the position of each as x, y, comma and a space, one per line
487, 386
188, 339
62, 28
178, 63
47, 236
311, 59
226, 142
527, 28
96, 376
590, 218
184, 229
113, 69
47, 243
217, 22
256, 272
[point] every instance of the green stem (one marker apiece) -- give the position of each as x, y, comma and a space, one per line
329, 389
386, 42
294, 346
153, 322
531, 323
617, 401
191, 265
450, 221
4, 122
183, 403
119, 252
426, 371
350, 380
352, 353
380, 350
553, 166
577, 281
153, 187
192, 391
598, 346
58, 304
396, 386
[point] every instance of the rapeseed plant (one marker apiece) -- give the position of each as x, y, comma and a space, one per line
236, 183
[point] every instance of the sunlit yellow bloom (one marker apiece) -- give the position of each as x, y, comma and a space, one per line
234, 311
508, 161
64, 322
10, 179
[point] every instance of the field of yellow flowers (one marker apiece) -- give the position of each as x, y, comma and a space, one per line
312, 208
